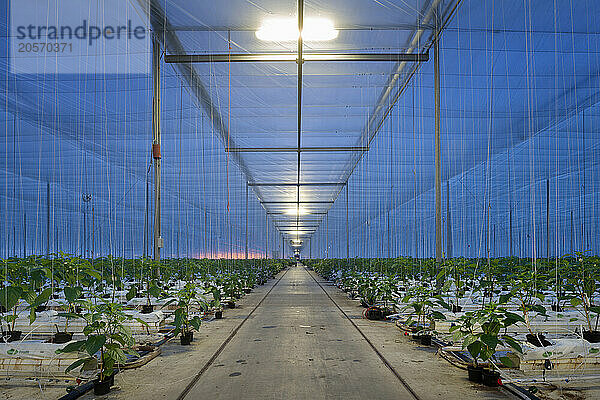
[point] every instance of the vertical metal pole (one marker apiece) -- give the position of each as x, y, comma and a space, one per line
327, 235
156, 141
24, 235
48, 218
93, 238
548, 219
347, 230
267, 236
84, 244
146, 222
246, 248
510, 226
438, 175
572, 248
448, 223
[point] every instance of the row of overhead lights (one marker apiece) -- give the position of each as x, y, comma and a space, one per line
285, 29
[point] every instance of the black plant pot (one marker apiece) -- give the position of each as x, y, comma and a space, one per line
147, 308
218, 314
475, 374
374, 314
592, 336
62, 337
557, 308
231, 304
187, 338
491, 378
102, 387
538, 340
426, 340
10, 336
456, 309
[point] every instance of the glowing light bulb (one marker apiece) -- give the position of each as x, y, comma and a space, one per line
286, 30
296, 211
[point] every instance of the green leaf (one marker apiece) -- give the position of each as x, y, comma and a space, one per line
513, 343
575, 301
490, 341
507, 361
474, 349
436, 315
594, 350
72, 293
9, 296
595, 309
131, 293
94, 274
196, 322
42, 297
94, 343
71, 347
76, 364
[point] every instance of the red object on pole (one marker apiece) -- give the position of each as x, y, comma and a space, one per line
156, 151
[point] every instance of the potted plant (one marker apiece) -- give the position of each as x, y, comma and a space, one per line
581, 288
457, 271
368, 291
215, 303
422, 300
526, 287
107, 344
186, 299
231, 287
9, 299
479, 331
152, 289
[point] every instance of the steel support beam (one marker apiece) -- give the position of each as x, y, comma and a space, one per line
246, 236
292, 57
347, 229
438, 174
156, 141
298, 184
296, 202
284, 213
293, 149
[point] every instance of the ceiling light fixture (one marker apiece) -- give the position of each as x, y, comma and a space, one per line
286, 30
296, 211
297, 232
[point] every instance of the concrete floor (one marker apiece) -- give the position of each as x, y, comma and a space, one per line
296, 345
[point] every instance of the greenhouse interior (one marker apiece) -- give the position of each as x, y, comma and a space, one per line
300, 199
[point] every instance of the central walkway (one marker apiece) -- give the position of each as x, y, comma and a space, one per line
298, 345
